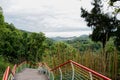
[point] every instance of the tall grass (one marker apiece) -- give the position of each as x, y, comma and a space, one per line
106, 65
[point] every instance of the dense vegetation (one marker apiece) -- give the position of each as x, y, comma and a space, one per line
25, 45
17, 46
104, 25
90, 54
84, 43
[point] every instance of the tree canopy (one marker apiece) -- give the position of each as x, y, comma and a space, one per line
103, 25
18, 45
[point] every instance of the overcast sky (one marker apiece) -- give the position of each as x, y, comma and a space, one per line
53, 17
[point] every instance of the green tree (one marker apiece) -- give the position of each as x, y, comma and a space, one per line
103, 25
24, 47
36, 46
116, 12
1, 18
18, 45
11, 45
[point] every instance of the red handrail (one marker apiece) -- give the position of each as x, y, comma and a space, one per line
22, 63
8, 70
14, 69
60, 65
49, 69
90, 70
83, 67
6, 73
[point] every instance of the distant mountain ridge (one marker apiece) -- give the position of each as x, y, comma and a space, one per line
58, 38
69, 38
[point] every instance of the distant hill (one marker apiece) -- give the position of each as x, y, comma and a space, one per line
70, 38
62, 38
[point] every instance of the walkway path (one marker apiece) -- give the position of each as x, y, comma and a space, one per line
30, 74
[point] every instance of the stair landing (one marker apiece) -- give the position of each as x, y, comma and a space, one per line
30, 74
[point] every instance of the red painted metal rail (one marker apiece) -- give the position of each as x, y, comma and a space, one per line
102, 77
8, 71
69, 69
90, 70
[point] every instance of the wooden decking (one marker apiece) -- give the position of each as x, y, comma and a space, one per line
30, 74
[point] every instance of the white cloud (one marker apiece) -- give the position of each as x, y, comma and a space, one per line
46, 15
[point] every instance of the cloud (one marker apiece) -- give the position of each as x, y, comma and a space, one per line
46, 15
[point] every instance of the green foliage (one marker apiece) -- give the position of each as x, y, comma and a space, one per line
3, 66
11, 26
49, 42
115, 12
17, 45
11, 44
58, 53
117, 38
83, 43
103, 25
36, 46
110, 46
1, 20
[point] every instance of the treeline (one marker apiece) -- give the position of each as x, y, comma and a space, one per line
17, 45
84, 43
93, 57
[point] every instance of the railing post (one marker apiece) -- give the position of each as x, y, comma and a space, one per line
52, 75
49, 74
60, 73
91, 78
10, 77
73, 70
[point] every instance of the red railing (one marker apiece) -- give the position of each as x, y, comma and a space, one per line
83, 68
76, 69
14, 69
6, 73
90, 70
9, 71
